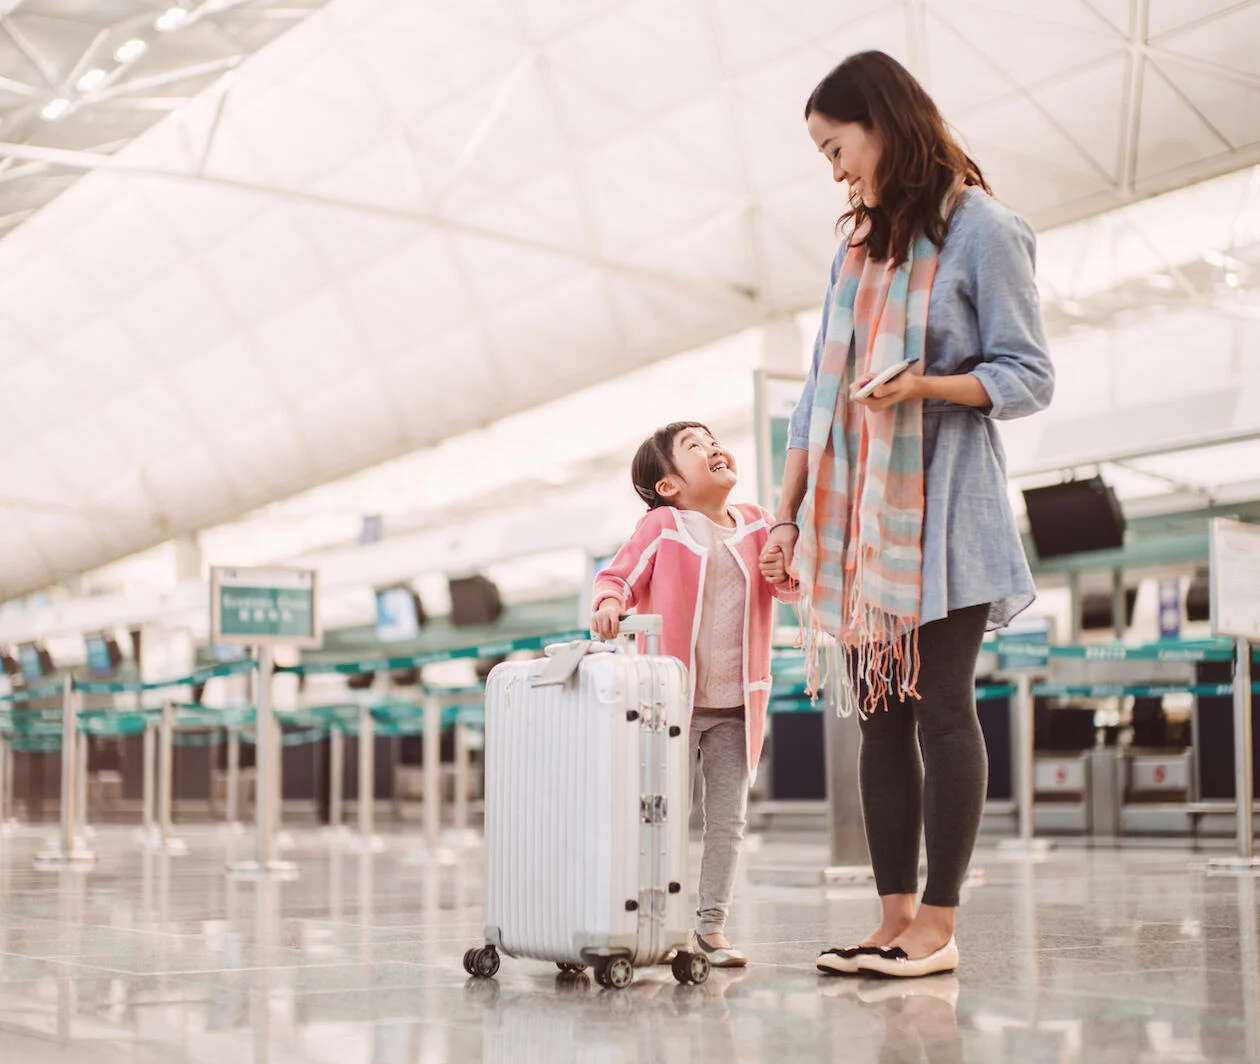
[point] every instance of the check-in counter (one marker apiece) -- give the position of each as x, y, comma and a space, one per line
1159, 785
1060, 786
1158, 775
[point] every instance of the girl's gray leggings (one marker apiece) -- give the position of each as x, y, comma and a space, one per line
717, 737
923, 767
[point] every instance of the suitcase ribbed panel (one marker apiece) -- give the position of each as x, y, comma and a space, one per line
674, 695
565, 844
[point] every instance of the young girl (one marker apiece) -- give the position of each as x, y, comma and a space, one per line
695, 560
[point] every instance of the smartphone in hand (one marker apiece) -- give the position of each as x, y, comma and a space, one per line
891, 373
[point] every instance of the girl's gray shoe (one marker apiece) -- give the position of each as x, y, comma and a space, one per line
720, 956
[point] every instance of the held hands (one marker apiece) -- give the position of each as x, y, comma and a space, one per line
776, 555
606, 621
773, 565
908, 385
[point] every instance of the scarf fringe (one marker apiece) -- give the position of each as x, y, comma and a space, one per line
876, 652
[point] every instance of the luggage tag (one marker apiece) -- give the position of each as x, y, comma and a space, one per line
563, 664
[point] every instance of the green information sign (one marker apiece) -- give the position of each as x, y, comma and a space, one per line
1024, 646
257, 606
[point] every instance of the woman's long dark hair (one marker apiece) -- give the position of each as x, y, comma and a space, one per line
921, 160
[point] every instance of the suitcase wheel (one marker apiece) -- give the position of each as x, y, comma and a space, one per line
615, 973
570, 969
691, 968
482, 963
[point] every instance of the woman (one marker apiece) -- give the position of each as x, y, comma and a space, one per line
895, 504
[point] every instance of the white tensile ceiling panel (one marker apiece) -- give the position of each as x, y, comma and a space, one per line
1231, 108
92, 75
1071, 105
398, 221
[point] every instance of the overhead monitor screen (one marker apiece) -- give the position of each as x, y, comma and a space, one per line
397, 615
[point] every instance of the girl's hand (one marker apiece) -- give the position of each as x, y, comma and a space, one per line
781, 543
773, 564
606, 621
908, 385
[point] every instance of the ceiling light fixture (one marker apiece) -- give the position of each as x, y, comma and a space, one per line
91, 80
171, 19
131, 51
1233, 280
56, 108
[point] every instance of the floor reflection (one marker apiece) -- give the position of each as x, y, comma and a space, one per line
1089, 956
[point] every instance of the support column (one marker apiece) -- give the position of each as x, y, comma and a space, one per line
463, 778
848, 857
166, 840
148, 833
1074, 600
81, 785
1246, 861
234, 779
70, 848
432, 772
265, 861
1022, 743
6, 786
336, 778
1119, 608
367, 840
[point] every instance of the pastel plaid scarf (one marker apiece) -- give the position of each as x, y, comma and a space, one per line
860, 553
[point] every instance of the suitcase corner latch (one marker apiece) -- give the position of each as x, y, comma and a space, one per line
653, 808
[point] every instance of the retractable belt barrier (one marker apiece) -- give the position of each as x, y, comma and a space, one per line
497, 649
1113, 690
1184, 652
120, 687
391, 718
786, 697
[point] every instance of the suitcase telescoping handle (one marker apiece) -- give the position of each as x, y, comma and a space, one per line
565, 659
651, 625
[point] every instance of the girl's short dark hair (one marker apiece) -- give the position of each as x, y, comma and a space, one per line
655, 459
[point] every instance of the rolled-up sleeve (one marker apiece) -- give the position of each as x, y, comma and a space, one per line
798, 427
1014, 364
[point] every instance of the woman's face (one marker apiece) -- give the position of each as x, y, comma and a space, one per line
854, 153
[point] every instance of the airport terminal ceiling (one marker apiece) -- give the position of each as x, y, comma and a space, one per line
397, 221
92, 75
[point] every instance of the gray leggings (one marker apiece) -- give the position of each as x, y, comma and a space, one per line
930, 778
717, 736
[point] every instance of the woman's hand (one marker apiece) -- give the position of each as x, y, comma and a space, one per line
777, 554
907, 385
606, 621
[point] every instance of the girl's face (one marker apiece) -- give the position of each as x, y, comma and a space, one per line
854, 152
705, 469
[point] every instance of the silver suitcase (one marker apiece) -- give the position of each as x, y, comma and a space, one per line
587, 794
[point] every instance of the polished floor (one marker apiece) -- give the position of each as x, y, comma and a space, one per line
1086, 955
